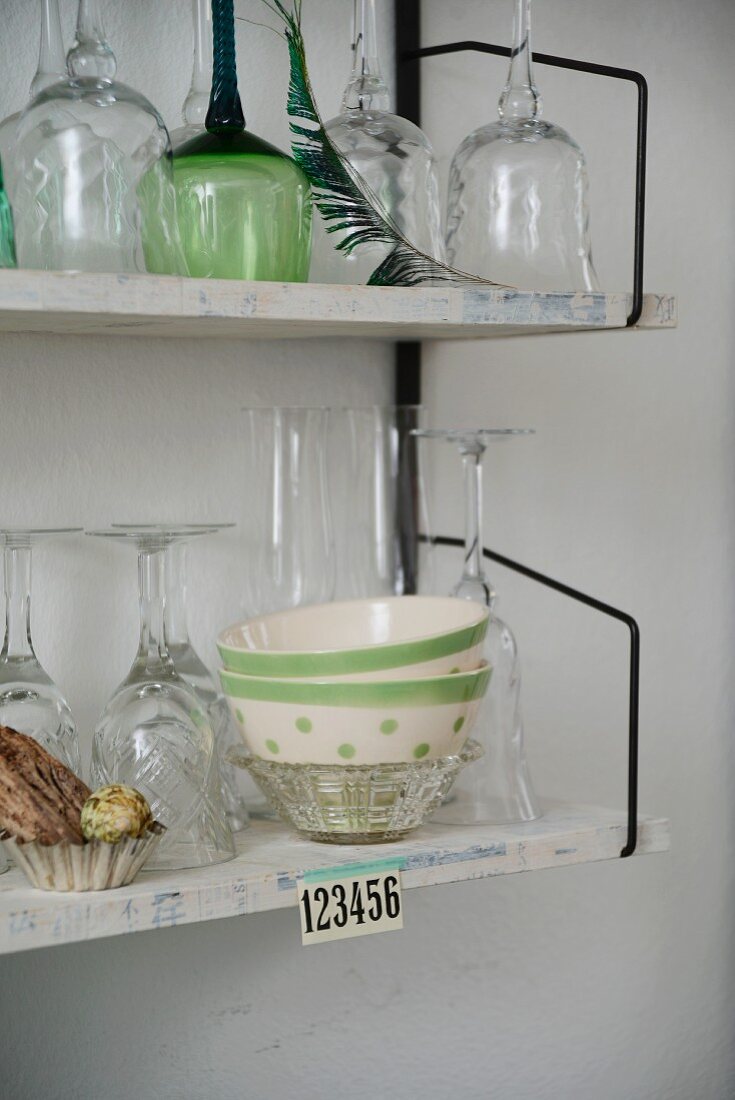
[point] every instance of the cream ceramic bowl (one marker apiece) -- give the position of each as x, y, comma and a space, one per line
355, 721
396, 637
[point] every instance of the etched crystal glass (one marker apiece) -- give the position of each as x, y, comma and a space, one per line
498, 790
30, 702
244, 207
51, 68
392, 155
357, 804
292, 560
7, 235
191, 668
196, 104
156, 735
94, 183
380, 506
518, 207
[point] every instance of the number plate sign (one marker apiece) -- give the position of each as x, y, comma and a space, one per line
353, 900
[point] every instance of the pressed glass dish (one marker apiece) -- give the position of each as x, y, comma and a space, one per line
348, 804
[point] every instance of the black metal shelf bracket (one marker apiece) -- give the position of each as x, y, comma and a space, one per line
408, 355
634, 671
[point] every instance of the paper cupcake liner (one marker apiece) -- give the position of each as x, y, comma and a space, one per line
95, 865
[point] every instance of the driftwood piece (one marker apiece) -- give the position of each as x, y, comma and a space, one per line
40, 798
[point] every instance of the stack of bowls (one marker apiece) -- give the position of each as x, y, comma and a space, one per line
346, 708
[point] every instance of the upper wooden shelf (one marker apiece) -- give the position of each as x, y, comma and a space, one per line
163, 305
271, 859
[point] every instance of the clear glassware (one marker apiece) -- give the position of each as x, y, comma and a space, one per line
292, 561
518, 205
51, 68
189, 664
497, 790
94, 181
357, 803
380, 503
196, 104
7, 235
392, 155
155, 734
30, 702
244, 207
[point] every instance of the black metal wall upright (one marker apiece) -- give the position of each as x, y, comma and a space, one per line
408, 104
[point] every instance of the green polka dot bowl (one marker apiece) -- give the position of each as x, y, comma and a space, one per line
355, 722
386, 638
356, 803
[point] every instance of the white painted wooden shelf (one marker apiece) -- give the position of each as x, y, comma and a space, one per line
264, 874
157, 305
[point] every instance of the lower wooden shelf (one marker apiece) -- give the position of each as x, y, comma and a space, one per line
270, 859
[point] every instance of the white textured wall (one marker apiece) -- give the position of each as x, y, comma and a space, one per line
613, 981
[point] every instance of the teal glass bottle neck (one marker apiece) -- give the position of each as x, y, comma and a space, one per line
225, 114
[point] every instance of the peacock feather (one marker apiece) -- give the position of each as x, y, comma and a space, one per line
341, 196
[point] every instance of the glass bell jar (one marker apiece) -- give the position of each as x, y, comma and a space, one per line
244, 207
94, 184
517, 209
51, 68
393, 157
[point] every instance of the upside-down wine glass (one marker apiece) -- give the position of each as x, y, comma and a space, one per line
155, 733
93, 184
244, 207
392, 155
518, 207
51, 67
497, 789
30, 702
187, 661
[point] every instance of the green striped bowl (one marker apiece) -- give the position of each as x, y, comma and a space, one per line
395, 637
355, 721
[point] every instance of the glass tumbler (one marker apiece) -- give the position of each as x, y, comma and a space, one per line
155, 733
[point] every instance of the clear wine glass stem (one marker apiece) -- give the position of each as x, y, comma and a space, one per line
520, 99
366, 90
153, 657
17, 644
51, 55
175, 622
473, 584
196, 103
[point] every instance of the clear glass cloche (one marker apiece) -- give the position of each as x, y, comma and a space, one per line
518, 208
94, 182
392, 155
